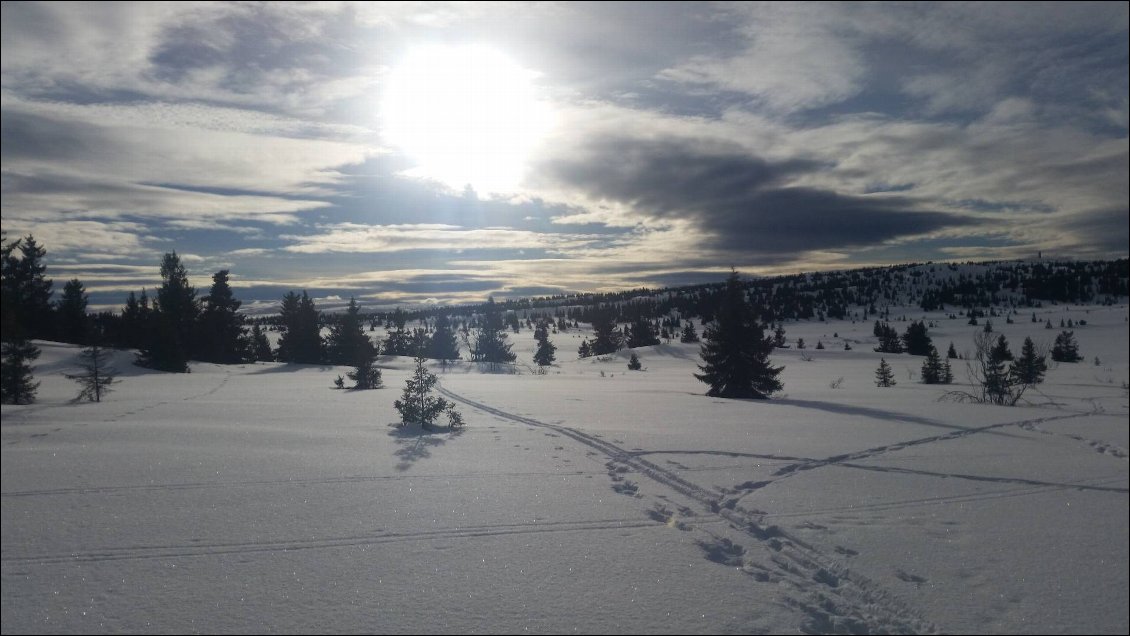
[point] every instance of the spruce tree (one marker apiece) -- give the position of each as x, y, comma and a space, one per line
634, 363
301, 340
74, 324
398, 341
932, 370
545, 354
605, 339
490, 342
883, 375
26, 291
222, 338
17, 385
1031, 366
443, 344
348, 344
736, 351
418, 406
917, 339
171, 340
952, 353
259, 349
1000, 351
642, 334
689, 334
96, 376
1065, 348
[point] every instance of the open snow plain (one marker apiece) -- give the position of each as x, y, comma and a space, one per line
592, 499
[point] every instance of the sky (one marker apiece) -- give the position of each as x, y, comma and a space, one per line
406, 153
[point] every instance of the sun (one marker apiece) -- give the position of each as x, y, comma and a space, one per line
467, 115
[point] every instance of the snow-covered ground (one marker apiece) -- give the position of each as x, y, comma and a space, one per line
257, 498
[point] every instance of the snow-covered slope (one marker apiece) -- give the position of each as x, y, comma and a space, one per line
256, 498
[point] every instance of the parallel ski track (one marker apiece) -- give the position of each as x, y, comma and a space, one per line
283, 545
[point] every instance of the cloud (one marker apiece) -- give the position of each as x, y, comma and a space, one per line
359, 238
739, 201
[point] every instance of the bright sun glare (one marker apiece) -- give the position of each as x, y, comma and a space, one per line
466, 115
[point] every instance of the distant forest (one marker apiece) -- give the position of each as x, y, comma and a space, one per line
178, 324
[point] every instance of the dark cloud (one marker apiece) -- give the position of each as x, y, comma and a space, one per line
1101, 231
743, 202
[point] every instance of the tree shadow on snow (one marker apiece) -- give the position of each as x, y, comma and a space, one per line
878, 414
416, 443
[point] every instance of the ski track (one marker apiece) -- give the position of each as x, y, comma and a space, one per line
830, 597
348, 479
194, 549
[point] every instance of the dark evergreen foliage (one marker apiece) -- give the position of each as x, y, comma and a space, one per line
418, 406
634, 363
1031, 366
1066, 349
26, 291
546, 351
605, 337
736, 351
689, 334
17, 385
222, 339
642, 334
259, 348
301, 340
171, 339
917, 340
74, 324
443, 344
933, 370
889, 340
883, 375
490, 342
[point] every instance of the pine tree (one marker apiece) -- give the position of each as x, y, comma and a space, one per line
490, 343
689, 334
917, 339
259, 349
996, 385
642, 334
97, 375
16, 380
1031, 366
418, 406
889, 340
348, 344
883, 375
932, 369
634, 363
222, 338
301, 340
736, 351
952, 353
546, 352
779, 337
443, 346
585, 350
605, 339
26, 290
1065, 348
397, 340
1000, 351
171, 341
74, 324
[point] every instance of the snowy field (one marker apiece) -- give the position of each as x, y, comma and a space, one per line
592, 499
